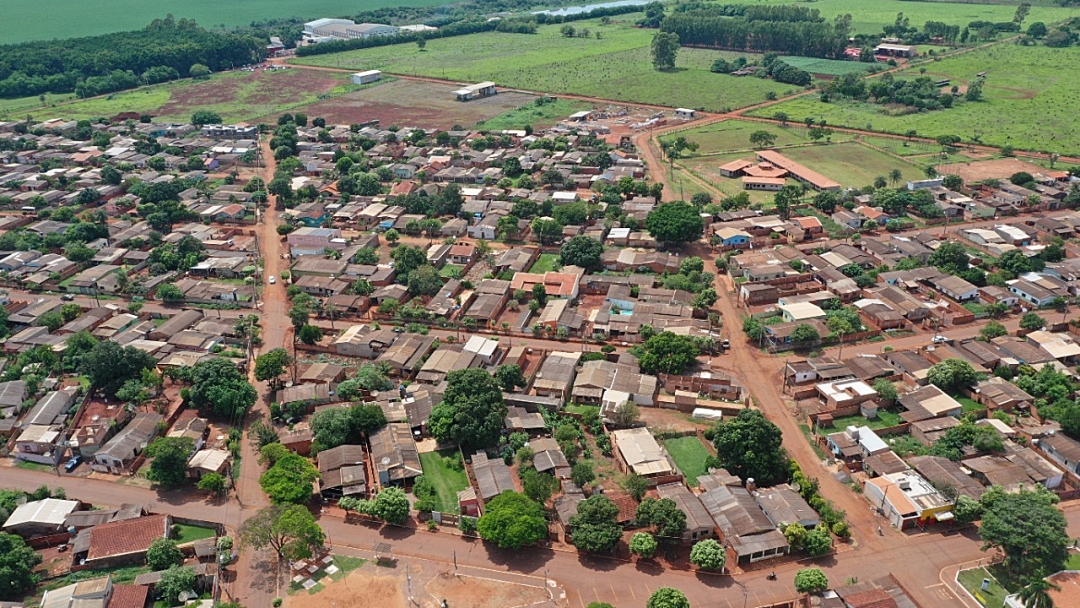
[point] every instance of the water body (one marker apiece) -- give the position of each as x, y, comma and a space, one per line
577, 10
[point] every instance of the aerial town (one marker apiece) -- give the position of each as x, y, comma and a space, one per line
307, 322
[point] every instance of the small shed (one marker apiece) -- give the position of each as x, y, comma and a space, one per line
685, 113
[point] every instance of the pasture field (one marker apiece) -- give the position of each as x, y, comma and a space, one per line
538, 116
237, 96
75, 18
1029, 101
734, 135
617, 66
708, 168
830, 67
850, 163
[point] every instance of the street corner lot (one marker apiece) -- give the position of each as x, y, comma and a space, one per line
413, 103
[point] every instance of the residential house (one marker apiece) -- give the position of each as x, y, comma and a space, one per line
119, 543
342, 472
556, 374
907, 500
699, 523
364, 341
640, 454
210, 460
40, 517
784, 506
394, 457
492, 476
1062, 449
744, 527
120, 451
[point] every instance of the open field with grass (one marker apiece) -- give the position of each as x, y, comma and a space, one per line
885, 418
617, 66
71, 18
237, 96
852, 164
689, 454
447, 480
831, 67
187, 534
708, 169
1028, 101
538, 116
545, 263
734, 135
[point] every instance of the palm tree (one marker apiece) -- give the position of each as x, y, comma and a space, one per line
1037, 594
896, 176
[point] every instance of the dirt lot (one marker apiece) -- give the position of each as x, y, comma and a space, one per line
989, 169
413, 103
387, 588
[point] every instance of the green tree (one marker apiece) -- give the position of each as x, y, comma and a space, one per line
204, 117
967, 510
1037, 594
538, 487
643, 544
750, 446
818, 542
289, 480
708, 555
886, 390
665, 47
17, 563
952, 375
636, 486
676, 222
169, 293
582, 474
811, 580
1029, 529
667, 597
992, 330
290, 530
392, 505
805, 335
512, 521
509, 377
199, 71
424, 281
219, 388
662, 515
472, 411
332, 427
169, 464
392, 236
762, 139
1032, 322
950, 257
668, 353
214, 483
109, 365
163, 554
271, 365
581, 251
174, 581
547, 229
594, 528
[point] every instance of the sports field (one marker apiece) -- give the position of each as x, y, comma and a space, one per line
237, 96
617, 66
1029, 101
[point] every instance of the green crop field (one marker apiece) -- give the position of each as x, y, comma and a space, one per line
538, 116
237, 96
1029, 101
832, 67
617, 66
72, 18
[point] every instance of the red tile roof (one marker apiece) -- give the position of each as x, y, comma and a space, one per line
127, 536
129, 596
873, 598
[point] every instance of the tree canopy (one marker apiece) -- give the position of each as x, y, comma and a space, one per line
708, 555
472, 412
643, 544
594, 528
662, 515
345, 425
169, 465
110, 365
174, 581
952, 375
17, 563
750, 446
163, 553
668, 353
1029, 529
219, 388
290, 530
289, 479
512, 521
675, 222
811, 580
667, 597
583, 251
272, 364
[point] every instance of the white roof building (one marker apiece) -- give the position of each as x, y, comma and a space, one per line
47, 513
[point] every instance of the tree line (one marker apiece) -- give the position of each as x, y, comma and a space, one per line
163, 50
711, 27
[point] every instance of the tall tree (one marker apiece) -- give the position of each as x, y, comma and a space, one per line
665, 46
17, 563
289, 480
219, 388
290, 530
1029, 529
512, 521
170, 456
163, 553
594, 528
583, 251
676, 222
750, 446
472, 411
110, 365
271, 365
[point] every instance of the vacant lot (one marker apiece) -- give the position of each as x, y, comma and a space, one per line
236, 96
829, 67
412, 103
546, 262
988, 169
448, 480
1028, 101
852, 164
689, 454
616, 66
536, 116
734, 135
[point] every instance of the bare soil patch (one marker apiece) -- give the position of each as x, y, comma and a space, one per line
480, 592
989, 169
413, 103
363, 587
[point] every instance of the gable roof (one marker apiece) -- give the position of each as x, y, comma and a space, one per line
126, 537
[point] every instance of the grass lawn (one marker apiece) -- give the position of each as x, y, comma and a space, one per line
731, 135
970, 405
538, 116
119, 575
33, 466
616, 66
545, 263
833, 67
689, 454
972, 580
1027, 100
450, 271
573, 408
346, 565
446, 480
884, 419
852, 164
186, 534
1073, 563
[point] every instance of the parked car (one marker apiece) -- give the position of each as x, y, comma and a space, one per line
272, 280
67, 297
939, 340
74, 462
